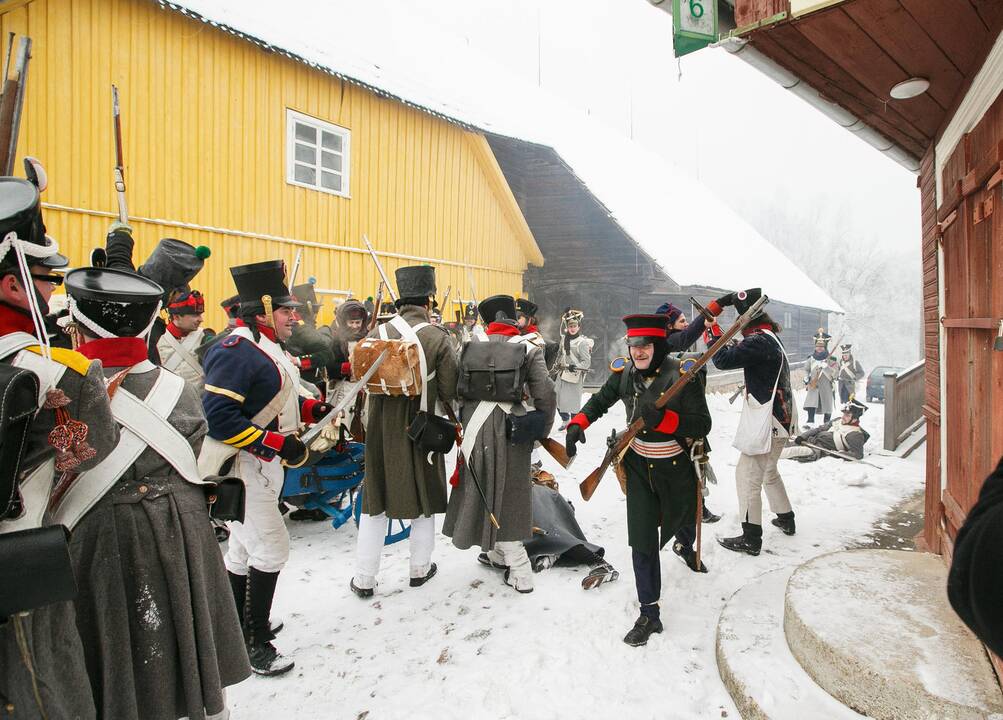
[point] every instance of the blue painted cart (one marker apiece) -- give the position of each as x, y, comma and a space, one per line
334, 486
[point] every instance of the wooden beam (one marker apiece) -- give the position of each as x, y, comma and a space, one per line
974, 323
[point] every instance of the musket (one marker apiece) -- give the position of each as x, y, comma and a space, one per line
445, 299
11, 104
837, 453
123, 211
379, 267
473, 287
357, 430
297, 261
702, 310
557, 451
588, 485
354, 389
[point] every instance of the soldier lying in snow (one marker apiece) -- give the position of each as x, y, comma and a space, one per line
557, 537
843, 436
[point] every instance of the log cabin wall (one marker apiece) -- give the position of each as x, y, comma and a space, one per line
592, 264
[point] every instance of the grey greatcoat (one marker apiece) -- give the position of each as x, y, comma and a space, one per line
50, 632
576, 354
399, 479
501, 468
820, 397
154, 609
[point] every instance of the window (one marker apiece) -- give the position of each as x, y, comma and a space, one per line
317, 154
788, 320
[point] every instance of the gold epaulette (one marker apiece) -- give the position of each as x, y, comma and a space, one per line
70, 358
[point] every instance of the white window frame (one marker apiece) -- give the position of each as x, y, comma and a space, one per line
292, 118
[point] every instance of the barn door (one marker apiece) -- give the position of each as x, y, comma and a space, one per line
973, 285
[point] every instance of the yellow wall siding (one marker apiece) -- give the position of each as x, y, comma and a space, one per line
204, 123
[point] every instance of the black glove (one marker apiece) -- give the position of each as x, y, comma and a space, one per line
293, 450
798, 440
574, 436
726, 300
321, 409
572, 368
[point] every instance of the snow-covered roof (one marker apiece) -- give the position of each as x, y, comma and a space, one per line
388, 47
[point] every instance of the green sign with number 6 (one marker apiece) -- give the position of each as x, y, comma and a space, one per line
694, 25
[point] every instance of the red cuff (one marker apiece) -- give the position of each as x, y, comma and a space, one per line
580, 420
306, 362
346, 369
307, 408
273, 440
713, 308
669, 424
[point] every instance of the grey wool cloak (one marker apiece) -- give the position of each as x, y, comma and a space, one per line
501, 468
154, 607
820, 397
400, 480
50, 633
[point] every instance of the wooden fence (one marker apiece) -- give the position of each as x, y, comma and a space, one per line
904, 392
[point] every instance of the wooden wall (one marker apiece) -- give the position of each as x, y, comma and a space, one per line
971, 223
931, 350
204, 115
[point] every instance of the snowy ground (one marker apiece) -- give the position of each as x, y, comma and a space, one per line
465, 645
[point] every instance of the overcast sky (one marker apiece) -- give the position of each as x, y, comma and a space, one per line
749, 140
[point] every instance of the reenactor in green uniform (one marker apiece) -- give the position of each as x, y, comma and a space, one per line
661, 481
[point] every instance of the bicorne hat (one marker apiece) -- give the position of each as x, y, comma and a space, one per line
497, 308
307, 294
855, 408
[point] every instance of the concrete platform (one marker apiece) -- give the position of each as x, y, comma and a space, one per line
757, 667
875, 630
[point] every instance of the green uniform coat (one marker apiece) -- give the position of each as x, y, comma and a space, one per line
661, 493
399, 479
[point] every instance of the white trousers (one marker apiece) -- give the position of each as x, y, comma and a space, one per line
262, 540
753, 475
369, 550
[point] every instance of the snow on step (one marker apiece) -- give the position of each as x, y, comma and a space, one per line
757, 667
874, 628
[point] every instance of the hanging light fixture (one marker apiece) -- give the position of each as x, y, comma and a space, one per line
910, 88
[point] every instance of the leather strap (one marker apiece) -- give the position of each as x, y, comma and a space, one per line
92, 485
410, 334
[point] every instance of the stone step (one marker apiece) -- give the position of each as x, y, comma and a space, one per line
757, 667
875, 630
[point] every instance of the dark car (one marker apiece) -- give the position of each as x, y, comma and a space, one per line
876, 382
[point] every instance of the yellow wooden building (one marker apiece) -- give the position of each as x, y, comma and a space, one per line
254, 153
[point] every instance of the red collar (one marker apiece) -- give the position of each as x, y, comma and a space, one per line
175, 330
752, 329
115, 352
500, 328
14, 319
268, 332
530, 329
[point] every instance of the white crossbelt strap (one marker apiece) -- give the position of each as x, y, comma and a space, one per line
139, 419
35, 488
15, 341
49, 372
411, 335
181, 353
481, 413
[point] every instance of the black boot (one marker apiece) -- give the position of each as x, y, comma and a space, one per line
709, 517
265, 659
749, 542
238, 584
642, 630
304, 515
689, 556
785, 521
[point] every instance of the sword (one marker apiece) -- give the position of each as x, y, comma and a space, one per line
349, 397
